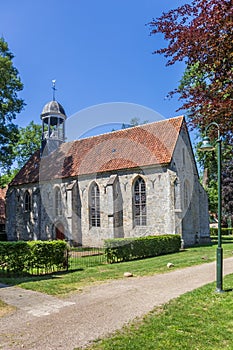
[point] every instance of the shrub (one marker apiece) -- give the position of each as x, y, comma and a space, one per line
24, 256
125, 249
47, 254
14, 256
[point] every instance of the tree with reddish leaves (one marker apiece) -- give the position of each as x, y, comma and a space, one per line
201, 35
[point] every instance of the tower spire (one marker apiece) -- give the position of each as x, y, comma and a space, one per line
54, 88
53, 119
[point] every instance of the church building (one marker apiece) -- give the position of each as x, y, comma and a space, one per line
133, 182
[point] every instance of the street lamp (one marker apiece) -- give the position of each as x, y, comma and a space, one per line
206, 146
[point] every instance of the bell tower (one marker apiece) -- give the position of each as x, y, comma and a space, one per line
53, 118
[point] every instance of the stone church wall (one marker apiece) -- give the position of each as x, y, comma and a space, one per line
192, 214
175, 203
116, 206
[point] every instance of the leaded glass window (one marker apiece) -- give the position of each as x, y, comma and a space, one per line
27, 201
57, 202
139, 202
94, 206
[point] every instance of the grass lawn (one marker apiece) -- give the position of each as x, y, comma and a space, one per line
5, 308
198, 320
71, 281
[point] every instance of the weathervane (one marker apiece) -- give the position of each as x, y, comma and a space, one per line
54, 88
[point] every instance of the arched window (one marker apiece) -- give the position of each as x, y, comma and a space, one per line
139, 202
27, 201
94, 206
57, 201
60, 231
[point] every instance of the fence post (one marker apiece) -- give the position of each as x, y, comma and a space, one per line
67, 259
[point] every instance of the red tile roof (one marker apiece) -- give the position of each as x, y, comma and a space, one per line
2, 205
143, 145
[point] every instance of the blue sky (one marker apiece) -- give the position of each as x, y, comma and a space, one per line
99, 51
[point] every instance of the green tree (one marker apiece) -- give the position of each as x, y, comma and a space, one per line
6, 178
10, 106
208, 162
29, 141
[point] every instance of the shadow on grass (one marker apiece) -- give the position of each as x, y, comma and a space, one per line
13, 279
225, 239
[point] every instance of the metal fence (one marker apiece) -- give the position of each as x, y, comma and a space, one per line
45, 269
74, 259
85, 257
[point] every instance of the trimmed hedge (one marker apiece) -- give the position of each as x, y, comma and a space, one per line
14, 256
125, 249
225, 231
33, 256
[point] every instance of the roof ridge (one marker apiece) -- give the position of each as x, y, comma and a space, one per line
127, 129
142, 145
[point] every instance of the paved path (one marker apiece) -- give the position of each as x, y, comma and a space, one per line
48, 323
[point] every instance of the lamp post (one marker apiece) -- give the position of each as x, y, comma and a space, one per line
206, 146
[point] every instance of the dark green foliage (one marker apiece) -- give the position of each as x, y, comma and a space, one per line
10, 105
208, 160
33, 257
227, 185
10, 85
29, 141
125, 249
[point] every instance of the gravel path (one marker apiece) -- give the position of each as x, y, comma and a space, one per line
48, 323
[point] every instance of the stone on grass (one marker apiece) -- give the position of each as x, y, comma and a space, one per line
169, 265
128, 274
204, 257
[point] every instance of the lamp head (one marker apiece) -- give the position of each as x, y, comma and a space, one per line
206, 145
